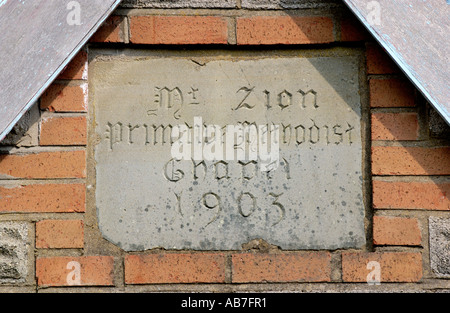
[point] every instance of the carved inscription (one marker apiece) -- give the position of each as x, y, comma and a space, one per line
308, 133
221, 170
246, 204
310, 197
284, 98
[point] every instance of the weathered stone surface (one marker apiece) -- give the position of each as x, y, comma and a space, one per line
438, 127
26, 132
146, 199
289, 4
14, 249
179, 4
439, 229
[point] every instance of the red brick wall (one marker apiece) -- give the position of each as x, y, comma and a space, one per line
46, 185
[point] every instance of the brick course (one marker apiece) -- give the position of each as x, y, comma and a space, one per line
63, 131
59, 271
395, 126
63, 98
391, 93
61, 164
282, 267
43, 198
394, 266
379, 62
411, 195
178, 30
175, 268
410, 161
268, 30
77, 68
396, 231
111, 31
60, 234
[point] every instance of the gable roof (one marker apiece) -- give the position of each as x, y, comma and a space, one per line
416, 35
44, 40
39, 38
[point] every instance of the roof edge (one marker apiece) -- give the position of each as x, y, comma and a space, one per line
58, 71
399, 61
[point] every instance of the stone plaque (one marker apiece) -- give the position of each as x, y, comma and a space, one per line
309, 196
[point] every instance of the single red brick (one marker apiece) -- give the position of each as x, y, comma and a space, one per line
60, 234
396, 231
62, 271
379, 62
353, 30
61, 164
410, 161
391, 93
63, 98
175, 268
142, 30
50, 198
178, 30
282, 267
411, 195
395, 126
77, 68
394, 266
110, 31
269, 30
63, 131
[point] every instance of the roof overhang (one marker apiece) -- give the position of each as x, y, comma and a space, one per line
415, 34
39, 39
